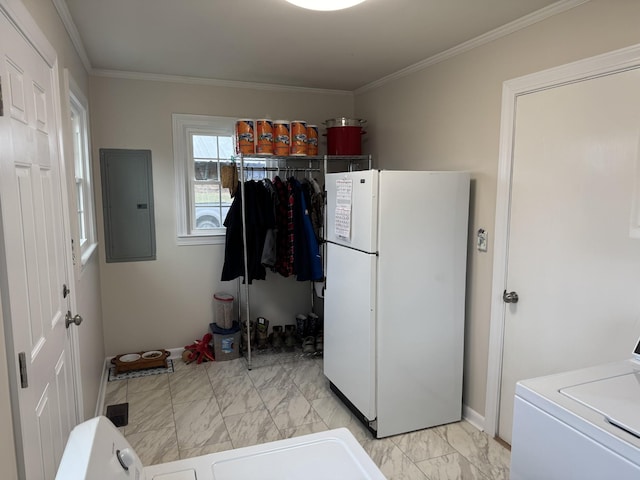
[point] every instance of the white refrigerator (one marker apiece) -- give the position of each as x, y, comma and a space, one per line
395, 296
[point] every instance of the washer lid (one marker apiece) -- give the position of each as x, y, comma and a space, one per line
318, 459
616, 398
332, 454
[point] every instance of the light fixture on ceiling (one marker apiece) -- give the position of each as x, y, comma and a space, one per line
325, 5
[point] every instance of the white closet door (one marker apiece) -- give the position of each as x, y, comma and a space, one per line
571, 259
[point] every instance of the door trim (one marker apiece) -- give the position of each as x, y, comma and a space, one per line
609, 63
18, 14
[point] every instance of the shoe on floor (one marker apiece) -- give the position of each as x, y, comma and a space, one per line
309, 345
276, 337
290, 336
262, 327
301, 327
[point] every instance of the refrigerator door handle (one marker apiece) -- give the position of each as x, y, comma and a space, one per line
352, 248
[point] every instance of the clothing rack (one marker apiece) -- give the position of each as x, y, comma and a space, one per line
286, 169
277, 169
321, 160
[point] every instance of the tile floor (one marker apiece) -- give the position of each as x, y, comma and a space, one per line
217, 406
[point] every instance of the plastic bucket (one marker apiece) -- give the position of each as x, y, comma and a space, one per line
264, 136
281, 137
244, 137
312, 140
298, 138
223, 309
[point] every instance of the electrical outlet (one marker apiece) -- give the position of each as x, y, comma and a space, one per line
482, 240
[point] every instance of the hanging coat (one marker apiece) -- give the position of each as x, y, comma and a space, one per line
307, 263
283, 262
269, 250
259, 218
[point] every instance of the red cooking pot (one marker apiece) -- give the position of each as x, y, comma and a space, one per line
344, 136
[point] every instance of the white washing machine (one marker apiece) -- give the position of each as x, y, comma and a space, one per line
583, 424
96, 450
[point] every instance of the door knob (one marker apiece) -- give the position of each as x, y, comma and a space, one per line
68, 319
510, 297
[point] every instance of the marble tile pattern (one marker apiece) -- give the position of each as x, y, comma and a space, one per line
217, 406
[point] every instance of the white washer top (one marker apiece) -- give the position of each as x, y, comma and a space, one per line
334, 454
596, 401
93, 446
616, 398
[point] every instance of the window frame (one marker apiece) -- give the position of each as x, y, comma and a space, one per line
184, 126
82, 171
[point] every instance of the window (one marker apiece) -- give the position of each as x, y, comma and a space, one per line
202, 144
85, 211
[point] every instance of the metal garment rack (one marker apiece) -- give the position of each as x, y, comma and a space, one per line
323, 160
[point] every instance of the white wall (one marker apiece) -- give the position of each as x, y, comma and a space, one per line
167, 303
91, 335
447, 117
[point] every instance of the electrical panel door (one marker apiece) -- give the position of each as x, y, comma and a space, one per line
127, 202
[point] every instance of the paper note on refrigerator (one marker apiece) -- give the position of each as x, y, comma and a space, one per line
343, 223
342, 218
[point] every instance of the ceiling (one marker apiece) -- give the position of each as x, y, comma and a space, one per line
274, 42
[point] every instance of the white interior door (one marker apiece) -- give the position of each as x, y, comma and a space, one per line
34, 250
570, 256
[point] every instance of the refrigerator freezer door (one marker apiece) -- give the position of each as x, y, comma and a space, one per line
421, 298
352, 209
349, 326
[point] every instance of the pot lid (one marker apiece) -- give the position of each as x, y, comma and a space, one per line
344, 122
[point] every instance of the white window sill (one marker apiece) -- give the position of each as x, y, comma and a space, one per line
88, 253
200, 240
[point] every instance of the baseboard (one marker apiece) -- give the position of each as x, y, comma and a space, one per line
102, 392
175, 352
473, 417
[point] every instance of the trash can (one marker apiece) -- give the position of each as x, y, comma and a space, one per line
223, 310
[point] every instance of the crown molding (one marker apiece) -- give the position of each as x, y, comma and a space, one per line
509, 28
158, 77
72, 31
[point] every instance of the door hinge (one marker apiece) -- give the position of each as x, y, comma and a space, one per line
22, 361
